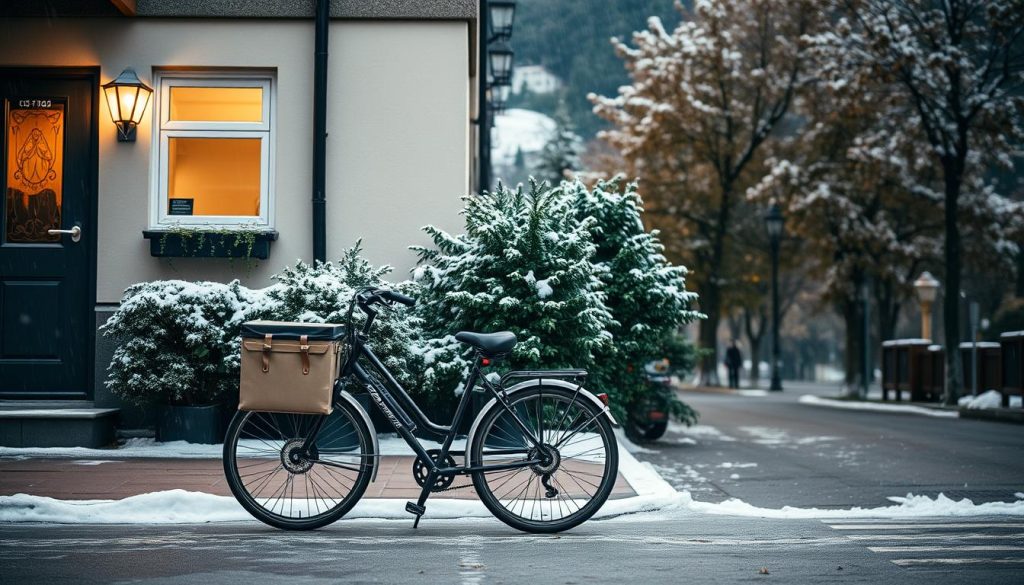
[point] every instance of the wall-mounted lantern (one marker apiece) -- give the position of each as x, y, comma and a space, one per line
499, 97
501, 64
502, 16
127, 98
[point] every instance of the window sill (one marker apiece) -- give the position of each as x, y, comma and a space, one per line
200, 243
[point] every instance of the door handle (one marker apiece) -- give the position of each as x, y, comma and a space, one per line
76, 233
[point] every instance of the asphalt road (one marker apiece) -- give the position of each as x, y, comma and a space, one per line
778, 452
770, 450
674, 548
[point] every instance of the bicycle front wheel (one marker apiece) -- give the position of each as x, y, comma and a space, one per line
577, 465
292, 488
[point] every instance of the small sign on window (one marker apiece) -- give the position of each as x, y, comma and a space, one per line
180, 206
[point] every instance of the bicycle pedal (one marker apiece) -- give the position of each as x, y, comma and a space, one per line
414, 508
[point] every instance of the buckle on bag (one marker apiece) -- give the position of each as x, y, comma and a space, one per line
266, 352
304, 348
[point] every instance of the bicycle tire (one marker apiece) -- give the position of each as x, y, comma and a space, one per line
578, 460
255, 436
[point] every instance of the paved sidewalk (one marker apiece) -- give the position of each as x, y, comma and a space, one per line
114, 479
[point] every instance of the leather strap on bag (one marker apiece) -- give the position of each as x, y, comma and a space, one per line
304, 348
266, 352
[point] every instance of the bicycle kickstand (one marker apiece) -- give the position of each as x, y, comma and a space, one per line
420, 506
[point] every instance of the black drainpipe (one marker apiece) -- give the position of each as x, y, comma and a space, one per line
320, 132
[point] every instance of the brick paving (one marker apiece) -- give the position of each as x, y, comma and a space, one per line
113, 479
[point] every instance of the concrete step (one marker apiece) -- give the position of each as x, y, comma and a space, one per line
35, 423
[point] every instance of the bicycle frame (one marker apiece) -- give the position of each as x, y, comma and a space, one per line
405, 415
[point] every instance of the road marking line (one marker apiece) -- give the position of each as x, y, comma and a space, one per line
922, 526
949, 536
971, 561
965, 548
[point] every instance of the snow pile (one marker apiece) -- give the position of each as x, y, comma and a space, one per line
990, 399
909, 506
877, 407
700, 432
168, 507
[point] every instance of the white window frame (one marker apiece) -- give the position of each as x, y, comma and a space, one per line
164, 128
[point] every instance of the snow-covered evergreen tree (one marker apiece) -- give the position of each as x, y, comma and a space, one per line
561, 155
522, 265
645, 294
322, 293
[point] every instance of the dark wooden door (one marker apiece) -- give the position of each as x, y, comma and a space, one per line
47, 278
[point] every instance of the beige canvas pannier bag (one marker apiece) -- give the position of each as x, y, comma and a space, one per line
289, 367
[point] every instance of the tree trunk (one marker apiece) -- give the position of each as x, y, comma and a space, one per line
851, 313
951, 300
754, 337
710, 305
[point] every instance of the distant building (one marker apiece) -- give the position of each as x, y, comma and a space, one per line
535, 79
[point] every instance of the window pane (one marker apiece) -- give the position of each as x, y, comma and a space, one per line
35, 170
221, 176
217, 104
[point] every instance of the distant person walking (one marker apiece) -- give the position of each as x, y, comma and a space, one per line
733, 362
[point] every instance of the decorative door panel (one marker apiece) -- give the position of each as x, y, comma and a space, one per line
47, 288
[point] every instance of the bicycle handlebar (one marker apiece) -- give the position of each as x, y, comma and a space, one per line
397, 297
370, 297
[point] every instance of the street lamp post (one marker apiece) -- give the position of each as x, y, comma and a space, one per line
927, 288
495, 71
774, 222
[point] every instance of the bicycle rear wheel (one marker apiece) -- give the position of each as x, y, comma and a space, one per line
580, 460
276, 483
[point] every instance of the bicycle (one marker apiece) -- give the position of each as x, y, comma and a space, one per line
541, 453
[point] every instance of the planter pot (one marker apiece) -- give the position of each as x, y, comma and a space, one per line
168, 244
195, 424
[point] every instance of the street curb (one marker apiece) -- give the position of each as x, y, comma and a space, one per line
1003, 415
879, 407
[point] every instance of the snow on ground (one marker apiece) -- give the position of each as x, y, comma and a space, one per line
728, 465
699, 432
519, 129
184, 507
771, 436
990, 399
752, 392
875, 406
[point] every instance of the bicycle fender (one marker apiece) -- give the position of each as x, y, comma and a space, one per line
533, 384
369, 425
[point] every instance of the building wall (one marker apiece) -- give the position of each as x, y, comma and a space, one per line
398, 124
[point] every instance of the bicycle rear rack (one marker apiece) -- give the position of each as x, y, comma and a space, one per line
542, 374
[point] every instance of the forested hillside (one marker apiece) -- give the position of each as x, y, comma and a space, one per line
571, 39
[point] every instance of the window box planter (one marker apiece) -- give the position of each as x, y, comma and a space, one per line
200, 243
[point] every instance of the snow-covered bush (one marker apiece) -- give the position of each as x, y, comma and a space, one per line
645, 294
523, 265
322, 293
572, 272
179, 341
